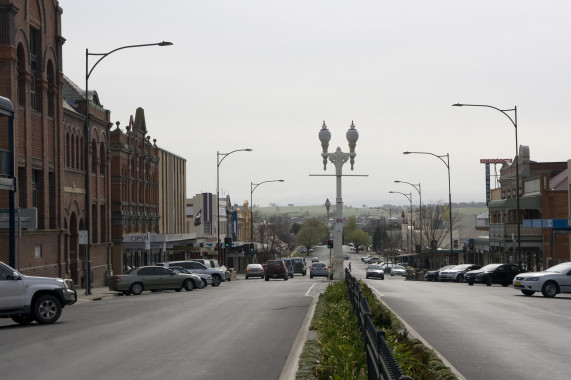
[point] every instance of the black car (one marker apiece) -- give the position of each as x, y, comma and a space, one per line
432, 275
493, 274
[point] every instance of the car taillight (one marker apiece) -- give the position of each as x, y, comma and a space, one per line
325, 268
310, 268
247, 269
117, 279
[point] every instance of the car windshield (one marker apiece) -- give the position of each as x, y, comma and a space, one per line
559, 268
490, 267
374, 267
461, 267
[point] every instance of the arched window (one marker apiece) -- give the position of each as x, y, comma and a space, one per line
94, 159
102, 159
52, 89
67, 150
21, 75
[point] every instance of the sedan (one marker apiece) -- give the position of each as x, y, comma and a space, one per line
493, 274
550, 282
398, 270
254, 270
375, 271
432, 275
155, 278
457, 272
206, 278
318, 270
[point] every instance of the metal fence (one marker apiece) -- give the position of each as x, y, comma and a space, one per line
381, 363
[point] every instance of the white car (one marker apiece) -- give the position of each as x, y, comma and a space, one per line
398, 270
456, 273
550, 282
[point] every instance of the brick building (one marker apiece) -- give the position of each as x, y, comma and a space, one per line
148, 197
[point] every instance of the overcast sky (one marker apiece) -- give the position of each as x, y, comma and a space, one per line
265, 74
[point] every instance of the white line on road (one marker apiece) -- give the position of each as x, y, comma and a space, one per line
309, 290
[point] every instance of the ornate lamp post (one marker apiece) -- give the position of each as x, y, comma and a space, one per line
417, 188
87, 223
447, 163
338, 158
329, 225
409, 197
514, 122
218, 162
253, 187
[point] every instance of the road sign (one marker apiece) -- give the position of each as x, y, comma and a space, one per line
83, 237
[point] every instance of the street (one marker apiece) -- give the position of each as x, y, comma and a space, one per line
240, 330
484, 332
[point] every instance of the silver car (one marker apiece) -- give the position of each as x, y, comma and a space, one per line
195, 267
318, 270
254, 270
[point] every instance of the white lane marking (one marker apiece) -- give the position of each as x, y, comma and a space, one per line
379, 293
309, 290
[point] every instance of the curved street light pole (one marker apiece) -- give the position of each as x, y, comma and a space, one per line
87, 223
409, 197
218, 162
447, 163
417, 188
253, 187
514, 123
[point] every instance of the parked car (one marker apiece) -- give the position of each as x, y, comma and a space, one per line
315, 260
30, 298
254, 270
549, 282
289, 266
375, 271
346, 256
138, 279
365, 258
206, 278
299, 265
195, 267
318, 270
457, 272
432, 275
493, 274
276, 269
387, 267
213, 263
398, 270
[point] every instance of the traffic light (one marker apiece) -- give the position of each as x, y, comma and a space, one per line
329, 243
251, 247
227, 242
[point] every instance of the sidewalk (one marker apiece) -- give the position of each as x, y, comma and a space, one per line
97, 294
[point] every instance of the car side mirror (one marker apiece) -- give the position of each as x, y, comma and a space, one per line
14, 276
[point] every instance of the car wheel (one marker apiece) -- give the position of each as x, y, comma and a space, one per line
188, 285
528, 293
267, 278
285, 277
22, 319
382, 278
246, 277
46, 309
489, 281
471, 283
310, 276
136, 288
216, 280
176, 290
549, 289
460, 278
505, 284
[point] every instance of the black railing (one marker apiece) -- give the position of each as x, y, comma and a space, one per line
381, 363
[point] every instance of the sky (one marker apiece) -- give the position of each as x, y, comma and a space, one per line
265, 75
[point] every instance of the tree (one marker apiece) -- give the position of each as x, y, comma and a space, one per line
360, 238
380, 239
311, 232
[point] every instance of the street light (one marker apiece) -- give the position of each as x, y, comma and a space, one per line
329, 225
409, 197
514, 122
447, 163
218, 162
88, 72
417, 188
253, 187
338, 158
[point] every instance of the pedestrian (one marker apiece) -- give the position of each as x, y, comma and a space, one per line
349, 266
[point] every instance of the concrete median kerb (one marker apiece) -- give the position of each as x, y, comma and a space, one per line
97, 294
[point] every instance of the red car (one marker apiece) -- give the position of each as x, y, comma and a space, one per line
276, 269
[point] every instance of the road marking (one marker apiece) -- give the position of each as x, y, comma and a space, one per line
309, 290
